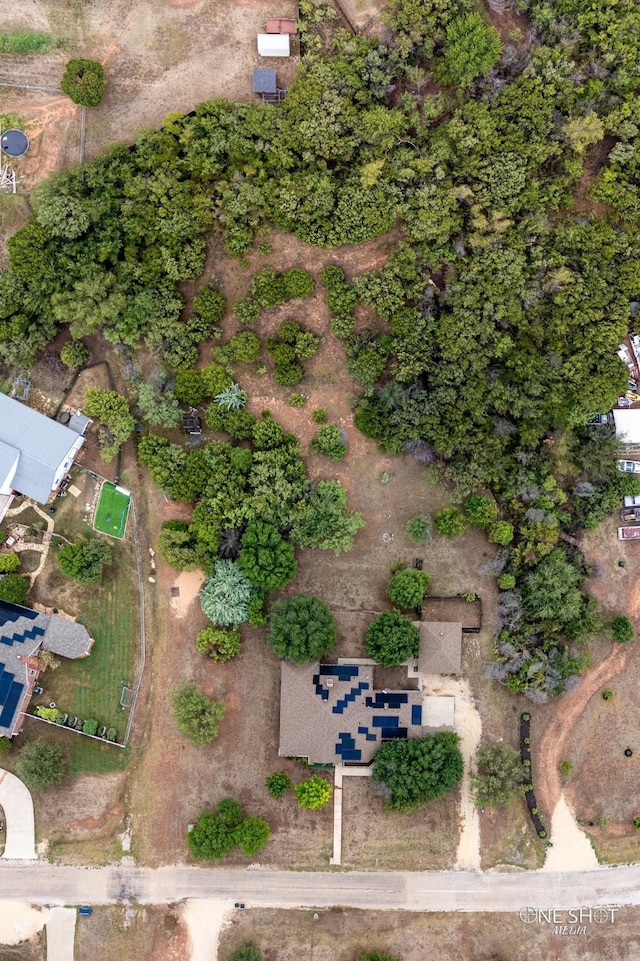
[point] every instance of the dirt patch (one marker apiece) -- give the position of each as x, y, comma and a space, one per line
341, 935
111, 934
187, 585
21, 922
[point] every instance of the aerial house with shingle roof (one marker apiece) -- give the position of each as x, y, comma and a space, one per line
23, 634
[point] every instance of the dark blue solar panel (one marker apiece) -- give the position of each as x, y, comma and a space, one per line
383, 720
5, 683
11, 703
11, 612
416, 714
353, 755
363, 730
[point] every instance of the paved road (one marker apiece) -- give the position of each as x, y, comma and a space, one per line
43, 883
17, 805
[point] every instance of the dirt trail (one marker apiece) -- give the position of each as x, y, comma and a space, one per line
551, 746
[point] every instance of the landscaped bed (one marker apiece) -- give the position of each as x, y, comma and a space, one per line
112, 510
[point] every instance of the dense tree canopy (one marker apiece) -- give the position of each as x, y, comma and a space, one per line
509, 295
84, 560
419, 769
392, 639
301, 629
500, 776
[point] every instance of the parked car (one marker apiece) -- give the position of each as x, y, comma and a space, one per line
632, 501
629, 466
601, 420
628, 533
85, 910
630, 514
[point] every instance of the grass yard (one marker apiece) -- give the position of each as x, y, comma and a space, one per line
112, 511
91, 687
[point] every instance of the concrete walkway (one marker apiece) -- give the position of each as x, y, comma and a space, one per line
61, 932
340, 772
17, 805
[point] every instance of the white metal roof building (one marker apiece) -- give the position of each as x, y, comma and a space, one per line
35, 452
627, 421
274, 45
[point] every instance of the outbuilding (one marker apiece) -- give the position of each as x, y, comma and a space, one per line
14, 143
274, 45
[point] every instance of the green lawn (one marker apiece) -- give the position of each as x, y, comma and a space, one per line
90, 687
112, 511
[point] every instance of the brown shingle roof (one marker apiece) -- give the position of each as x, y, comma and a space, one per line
440, 647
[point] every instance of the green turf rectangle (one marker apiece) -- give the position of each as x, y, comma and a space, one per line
112, 511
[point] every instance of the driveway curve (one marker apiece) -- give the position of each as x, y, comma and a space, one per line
17, 805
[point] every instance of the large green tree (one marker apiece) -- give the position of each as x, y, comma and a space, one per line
226, 595
41, 764
419, 769
266, 558
84, 560
196, 715
500, 775
407, 587
83, 82
392, 639
301, 629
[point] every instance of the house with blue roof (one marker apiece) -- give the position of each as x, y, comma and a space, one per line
23, 634
35, 452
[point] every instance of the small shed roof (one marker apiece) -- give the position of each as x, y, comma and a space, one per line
627, 421
440, 647
273, 45
79, 422
264, 80
67, 638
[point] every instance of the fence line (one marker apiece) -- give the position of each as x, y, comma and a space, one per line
65, 727
143, 635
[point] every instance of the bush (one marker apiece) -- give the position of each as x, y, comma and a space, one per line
209, 307
252, 834
506, 582
297, 400
83, 82
481, 511
608, 694
500, 775
419, 529
84, 560
9, 563
407, 587
566, 767
244, 346
265, 557
501, 533
268, 288
298, 283
196, 714
622, 629
328, 441
247, 311
190, 387
90, 726
319, 416
215, 379
313, 793
471, 50
288, 375
301, 629
41, 765
217, 832
218, 644
14, 588
450, 522
277, 783
74, 354
392, 639
248, 952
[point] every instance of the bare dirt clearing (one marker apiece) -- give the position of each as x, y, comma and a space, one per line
340, 935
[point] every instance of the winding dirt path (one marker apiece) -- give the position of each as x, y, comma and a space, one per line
551, 745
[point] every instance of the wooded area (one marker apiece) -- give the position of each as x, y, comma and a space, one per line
497, 318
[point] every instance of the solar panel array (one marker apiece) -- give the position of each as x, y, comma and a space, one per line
16, 627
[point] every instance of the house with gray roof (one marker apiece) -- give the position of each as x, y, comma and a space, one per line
331, 714
35, 453
23, 634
